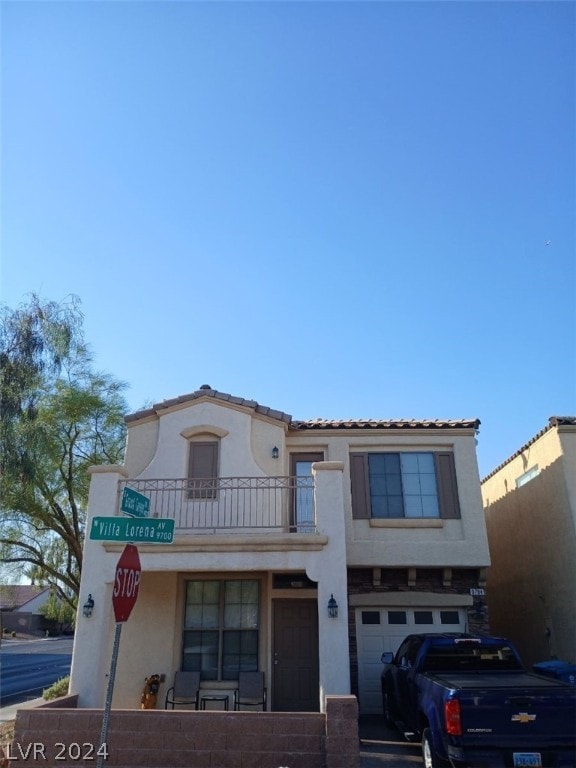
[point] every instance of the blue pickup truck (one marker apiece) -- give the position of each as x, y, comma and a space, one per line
472, 703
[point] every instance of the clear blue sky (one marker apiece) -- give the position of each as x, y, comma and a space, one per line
339, 209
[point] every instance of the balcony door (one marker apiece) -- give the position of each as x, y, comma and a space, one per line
303, 515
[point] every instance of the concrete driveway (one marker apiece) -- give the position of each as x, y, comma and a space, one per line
382, 746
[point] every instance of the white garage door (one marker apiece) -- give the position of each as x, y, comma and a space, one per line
383, 629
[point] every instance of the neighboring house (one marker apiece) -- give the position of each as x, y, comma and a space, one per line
530, 509
20, 606
23, 597
277, 519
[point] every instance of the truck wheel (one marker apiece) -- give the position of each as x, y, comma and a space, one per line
429, 756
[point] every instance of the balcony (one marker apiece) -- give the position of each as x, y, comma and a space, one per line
227, 505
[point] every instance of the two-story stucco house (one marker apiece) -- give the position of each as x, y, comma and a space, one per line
530, 508
276, 521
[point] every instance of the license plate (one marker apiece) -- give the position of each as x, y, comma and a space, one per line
527, 760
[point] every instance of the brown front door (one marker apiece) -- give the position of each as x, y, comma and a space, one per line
295, 656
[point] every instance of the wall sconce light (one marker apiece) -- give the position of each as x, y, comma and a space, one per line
88, 607
332, 608
275, 452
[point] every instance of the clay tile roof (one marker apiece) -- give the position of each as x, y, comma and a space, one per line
562, 421
386, 424
553, 421
206, 391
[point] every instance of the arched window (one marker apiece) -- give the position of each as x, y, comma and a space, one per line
203, 460
203, 468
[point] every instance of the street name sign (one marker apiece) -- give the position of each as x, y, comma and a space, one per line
134, 503
149, 531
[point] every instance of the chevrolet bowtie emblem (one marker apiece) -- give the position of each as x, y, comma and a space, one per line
523, 717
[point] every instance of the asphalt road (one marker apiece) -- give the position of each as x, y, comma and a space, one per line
27, 667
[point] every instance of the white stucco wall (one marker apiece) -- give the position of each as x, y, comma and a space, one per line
34, 605
328, 568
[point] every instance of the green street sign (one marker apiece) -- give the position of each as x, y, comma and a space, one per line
134, 503
149, 531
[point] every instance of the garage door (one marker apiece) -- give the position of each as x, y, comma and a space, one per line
383, 629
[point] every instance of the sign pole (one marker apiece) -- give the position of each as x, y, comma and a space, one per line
124, 596
102, 750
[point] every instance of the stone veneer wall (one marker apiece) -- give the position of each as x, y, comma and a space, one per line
210, 739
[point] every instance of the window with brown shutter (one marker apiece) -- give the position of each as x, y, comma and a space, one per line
359, 486
447, 488
203, 469
403, 485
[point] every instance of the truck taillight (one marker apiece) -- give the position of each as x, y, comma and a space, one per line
452, 717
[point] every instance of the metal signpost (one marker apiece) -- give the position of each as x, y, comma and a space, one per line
124, 596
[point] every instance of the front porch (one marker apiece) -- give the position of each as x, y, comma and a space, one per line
168, 631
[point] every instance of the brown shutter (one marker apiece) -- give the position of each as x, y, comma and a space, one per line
447, 487
359, 486
203, 465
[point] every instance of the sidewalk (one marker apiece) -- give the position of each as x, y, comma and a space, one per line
9, 713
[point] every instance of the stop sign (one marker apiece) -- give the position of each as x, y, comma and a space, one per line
126, 583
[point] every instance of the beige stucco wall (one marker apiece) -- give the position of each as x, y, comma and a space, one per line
422, 543
141, 444
151, 638
567, 438
158, 448
531, 586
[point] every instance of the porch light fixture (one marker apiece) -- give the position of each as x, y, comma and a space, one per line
332, 608
275, 452
88, 607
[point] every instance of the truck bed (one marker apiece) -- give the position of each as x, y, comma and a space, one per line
484, 680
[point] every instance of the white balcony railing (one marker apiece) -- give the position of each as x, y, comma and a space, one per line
231, 504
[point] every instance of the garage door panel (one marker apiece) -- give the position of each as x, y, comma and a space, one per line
380, 630
372, 644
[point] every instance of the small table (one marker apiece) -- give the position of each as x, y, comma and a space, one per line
204, 699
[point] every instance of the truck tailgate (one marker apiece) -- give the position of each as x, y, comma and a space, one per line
515, 708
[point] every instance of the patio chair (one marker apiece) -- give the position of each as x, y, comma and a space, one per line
184, 691
251, 691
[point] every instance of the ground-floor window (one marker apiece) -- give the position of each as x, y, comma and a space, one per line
221, 625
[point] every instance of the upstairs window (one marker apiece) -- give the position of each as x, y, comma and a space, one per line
203, 469
530, 474
403, 485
